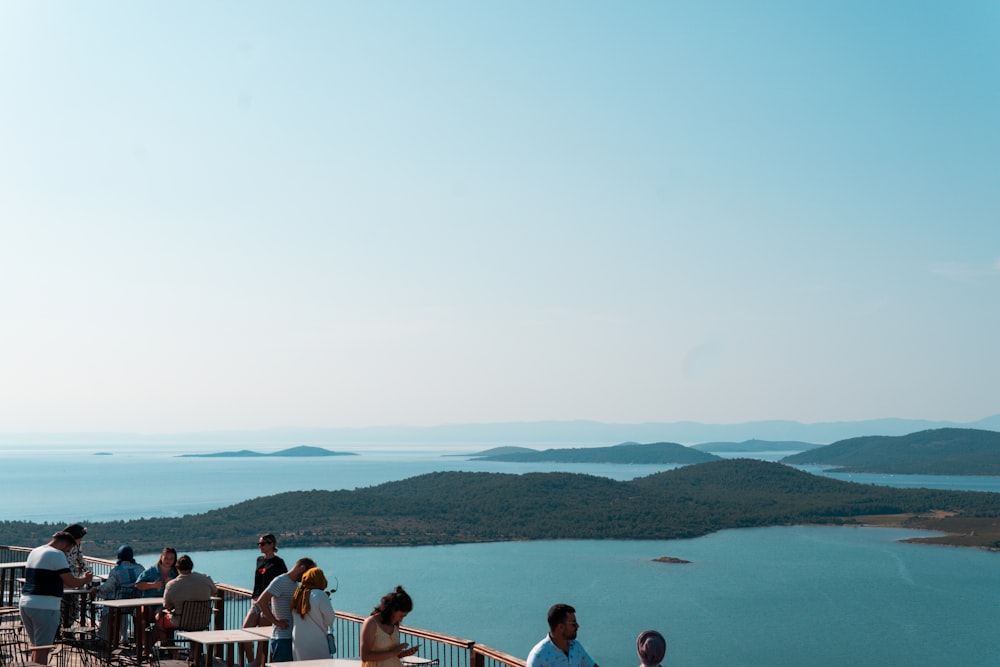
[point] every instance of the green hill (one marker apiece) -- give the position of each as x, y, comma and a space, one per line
457, 507
627, 452
943, 451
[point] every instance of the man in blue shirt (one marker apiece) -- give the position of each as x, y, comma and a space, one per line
560, 648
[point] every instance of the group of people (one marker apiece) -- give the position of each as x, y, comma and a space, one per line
294, 602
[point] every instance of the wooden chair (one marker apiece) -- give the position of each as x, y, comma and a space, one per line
195, 615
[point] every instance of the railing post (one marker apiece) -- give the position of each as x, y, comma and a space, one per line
220, 613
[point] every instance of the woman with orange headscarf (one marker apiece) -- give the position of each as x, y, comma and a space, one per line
312, 614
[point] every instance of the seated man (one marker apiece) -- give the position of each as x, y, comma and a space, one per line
185, 587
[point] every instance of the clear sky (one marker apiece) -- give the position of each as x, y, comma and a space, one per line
239, 215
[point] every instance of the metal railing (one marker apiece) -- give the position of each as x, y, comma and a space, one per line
234, 603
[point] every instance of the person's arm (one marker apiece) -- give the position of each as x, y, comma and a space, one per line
110, 584
69, 581
368, 652
147, 582
264, 602
322, 602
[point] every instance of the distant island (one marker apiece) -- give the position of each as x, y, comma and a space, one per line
755, 446
943, 451
626, 452
466, 507
301, 451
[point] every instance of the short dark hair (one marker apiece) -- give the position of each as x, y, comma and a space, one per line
76, 530
558, 614
185, 564
64, 538
308, 562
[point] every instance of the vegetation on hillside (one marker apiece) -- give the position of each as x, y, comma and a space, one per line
456, 507
943, 451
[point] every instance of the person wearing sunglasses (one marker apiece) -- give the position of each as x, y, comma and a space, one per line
269, 566
560, 646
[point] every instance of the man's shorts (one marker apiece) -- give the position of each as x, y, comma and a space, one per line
40, 625
280, 649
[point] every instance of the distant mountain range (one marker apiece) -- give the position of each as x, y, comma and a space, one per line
580, 433
302, 451
627, 452
944, 451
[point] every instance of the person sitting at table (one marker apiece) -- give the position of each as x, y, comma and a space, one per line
152, 582
188, 586
120, 583
313, 614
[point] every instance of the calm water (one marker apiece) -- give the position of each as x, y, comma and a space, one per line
774, 596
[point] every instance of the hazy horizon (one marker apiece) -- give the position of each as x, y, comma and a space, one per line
240, 215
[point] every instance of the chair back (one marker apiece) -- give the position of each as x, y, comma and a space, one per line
195, 615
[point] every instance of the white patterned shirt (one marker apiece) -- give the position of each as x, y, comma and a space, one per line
547, 654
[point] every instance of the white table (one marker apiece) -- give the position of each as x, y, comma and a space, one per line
126, 605
228, 639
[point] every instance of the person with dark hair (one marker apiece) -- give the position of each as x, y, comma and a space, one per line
120, 583
46, 572
380, 645
152, 582
276, 609
560, 646
269, 566
313, 615
78, 567
77, 563
189, 585
651, 647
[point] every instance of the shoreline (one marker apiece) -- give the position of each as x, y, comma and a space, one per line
958, 531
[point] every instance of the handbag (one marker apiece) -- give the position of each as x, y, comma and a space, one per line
331, 642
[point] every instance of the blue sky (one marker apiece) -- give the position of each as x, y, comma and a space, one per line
245, 215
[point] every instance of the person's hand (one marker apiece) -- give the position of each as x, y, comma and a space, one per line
281, 623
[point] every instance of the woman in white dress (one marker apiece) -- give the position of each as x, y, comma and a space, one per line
312, 615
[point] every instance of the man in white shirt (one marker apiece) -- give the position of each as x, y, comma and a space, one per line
45, 575
276, 608
560, 648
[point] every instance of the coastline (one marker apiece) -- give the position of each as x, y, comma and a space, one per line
958, 531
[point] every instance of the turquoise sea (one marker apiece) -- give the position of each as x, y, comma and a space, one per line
772, 596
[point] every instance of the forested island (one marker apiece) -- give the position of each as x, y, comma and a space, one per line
943, 451
462, 507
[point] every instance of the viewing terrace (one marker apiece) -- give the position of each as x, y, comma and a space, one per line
230, 608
